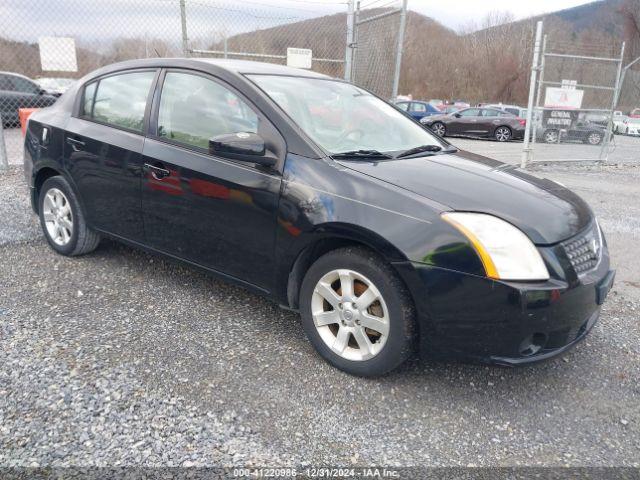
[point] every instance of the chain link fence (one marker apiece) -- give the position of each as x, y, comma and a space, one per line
576, 107
46, 44
378, 38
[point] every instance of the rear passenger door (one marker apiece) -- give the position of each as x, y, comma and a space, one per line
211, 211
103, 150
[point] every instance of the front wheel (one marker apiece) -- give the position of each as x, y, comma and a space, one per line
357, 313
62, 220
439, 129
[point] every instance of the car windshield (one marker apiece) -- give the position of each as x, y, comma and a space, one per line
341, 117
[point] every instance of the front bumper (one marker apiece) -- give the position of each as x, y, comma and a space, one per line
506, 323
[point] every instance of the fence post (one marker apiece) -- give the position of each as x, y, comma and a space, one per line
348, 54
4, 161
526, 151
534, 131
396, 74
183, 24
604, 151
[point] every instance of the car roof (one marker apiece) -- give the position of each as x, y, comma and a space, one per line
14, 74
242, 67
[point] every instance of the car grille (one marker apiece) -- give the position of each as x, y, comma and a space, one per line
584, 250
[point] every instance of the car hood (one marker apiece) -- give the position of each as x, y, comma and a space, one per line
546, 211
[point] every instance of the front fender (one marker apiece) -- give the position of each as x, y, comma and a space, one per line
322, 200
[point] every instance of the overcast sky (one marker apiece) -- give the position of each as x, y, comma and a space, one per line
100, 19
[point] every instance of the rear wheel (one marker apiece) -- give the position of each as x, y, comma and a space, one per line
62, 220
503, 134
550, 136
439, 129
594, 138
357, 313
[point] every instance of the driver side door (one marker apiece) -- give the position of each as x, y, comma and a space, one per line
465, 122
210, 211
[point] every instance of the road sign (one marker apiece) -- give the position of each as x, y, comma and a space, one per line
58, 54
563, 98
299, 57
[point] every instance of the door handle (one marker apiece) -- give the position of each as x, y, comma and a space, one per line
75, 144
157, 172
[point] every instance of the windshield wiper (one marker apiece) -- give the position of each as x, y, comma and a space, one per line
421, 149
361, 154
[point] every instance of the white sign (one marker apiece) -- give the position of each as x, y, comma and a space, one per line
58, 54
569, 84
299, 57
562, 98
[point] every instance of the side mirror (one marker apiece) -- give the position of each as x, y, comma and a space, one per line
242, 146
457, 115
42, 91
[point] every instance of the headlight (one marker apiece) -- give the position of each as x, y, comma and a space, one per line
505, 252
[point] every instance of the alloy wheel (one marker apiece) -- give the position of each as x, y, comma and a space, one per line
58, 217
503, 134
350, 315
551, 136
594, 138
439, 129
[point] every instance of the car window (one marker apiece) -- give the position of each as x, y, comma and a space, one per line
487, 112
5, 83
87, 103
341, 117
23, 85
121, 99
470, 112
193, 109
418, 107
403, 106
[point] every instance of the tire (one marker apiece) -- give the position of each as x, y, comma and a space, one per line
439, 129
502, 134
62, 220
391, 316
594, 138
550, 136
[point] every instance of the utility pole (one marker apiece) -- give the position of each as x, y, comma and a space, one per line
526, 151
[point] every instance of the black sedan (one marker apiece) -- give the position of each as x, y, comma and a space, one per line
18, 91
326, 199
477, 122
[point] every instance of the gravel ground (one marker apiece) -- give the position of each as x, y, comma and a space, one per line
123, 358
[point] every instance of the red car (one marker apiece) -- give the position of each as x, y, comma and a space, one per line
635, 113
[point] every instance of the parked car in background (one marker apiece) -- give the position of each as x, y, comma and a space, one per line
630, 126
477, 122
18, 91
619, 122
383, 236
583, 131
54, 86
635, 113
513, 109
418, 109
450, 109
